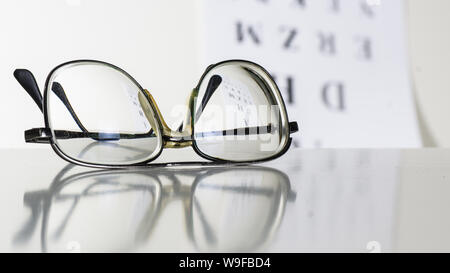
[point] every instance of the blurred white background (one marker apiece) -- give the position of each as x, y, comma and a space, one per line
154, 41
429, 41
157, 43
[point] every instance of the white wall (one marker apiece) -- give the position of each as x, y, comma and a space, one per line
155, 41
429, 25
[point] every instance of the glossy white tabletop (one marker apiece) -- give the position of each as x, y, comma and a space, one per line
306, 201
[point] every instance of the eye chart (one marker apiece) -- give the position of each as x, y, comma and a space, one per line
237, 94
341, 65
141, 125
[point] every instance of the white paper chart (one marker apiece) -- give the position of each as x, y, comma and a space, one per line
341, 65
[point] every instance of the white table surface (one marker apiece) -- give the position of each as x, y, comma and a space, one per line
306, 201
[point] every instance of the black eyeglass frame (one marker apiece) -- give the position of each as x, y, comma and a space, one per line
46, 135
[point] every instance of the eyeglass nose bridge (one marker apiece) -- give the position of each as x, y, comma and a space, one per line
173, 139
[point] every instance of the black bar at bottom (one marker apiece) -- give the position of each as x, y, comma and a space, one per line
236, 262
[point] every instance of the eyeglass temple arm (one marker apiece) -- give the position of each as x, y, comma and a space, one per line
213, 84
256, 130
59, 92
28, 82
40, 135
293, 127
43, 135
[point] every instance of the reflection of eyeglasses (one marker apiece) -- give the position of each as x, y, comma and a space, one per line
231, 210
235, 114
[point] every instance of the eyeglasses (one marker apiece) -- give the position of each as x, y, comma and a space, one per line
97, 115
